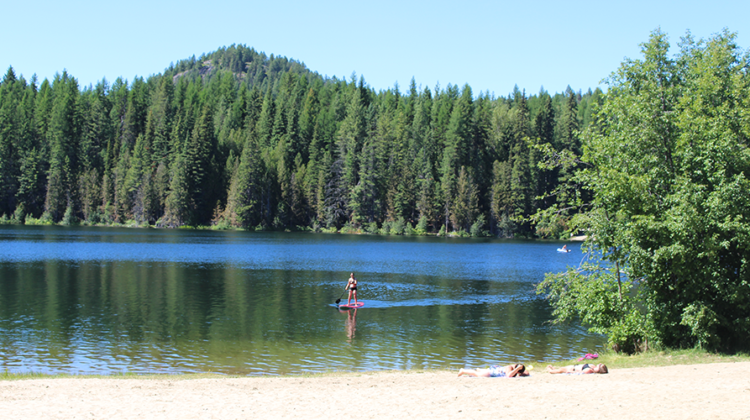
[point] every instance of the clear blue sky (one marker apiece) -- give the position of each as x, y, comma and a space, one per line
491, 45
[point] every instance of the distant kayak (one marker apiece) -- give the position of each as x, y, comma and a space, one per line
563, 250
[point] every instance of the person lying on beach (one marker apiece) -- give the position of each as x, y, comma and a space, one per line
495, 371
584, 368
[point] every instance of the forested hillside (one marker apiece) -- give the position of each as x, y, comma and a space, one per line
236, 138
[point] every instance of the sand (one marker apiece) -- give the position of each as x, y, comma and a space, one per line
709, 391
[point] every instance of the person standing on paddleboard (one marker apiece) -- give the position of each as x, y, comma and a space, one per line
352, 286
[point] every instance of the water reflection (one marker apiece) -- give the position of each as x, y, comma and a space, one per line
351, 322
101, 301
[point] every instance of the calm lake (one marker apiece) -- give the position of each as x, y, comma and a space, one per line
106, 300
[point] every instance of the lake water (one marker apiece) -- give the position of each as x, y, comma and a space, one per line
105, 300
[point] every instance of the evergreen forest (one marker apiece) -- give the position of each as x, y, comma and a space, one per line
239, 139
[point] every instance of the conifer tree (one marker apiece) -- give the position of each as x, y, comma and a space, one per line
139, 170
160, 116
350, 138
9, 171
465, 207
177, 204
502, 203
198, 155
62, 135
245, 191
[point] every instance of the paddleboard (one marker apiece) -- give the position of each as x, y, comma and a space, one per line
562, 250
352, 306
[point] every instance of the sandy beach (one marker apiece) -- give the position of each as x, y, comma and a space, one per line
720, 391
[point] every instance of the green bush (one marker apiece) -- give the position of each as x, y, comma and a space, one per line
409, 229
397, 227
477, 228
386, 228
20, 214
372, 228
603, 301
421, 228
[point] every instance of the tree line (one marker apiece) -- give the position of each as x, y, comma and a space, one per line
240, 139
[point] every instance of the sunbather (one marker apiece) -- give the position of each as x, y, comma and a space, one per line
583, 369
495, 371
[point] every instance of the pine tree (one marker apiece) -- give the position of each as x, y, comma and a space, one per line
90, 194
466, 205
177, 204
10, 97
140, 170
502, 203
201, 174
160, 117
244, 199
62, 135
97, 128
350, 138
460, 136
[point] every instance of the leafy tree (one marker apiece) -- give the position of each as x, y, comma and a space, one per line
667, 164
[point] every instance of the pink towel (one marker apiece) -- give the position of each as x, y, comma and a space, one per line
589, 356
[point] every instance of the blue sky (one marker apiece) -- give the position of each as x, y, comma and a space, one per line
491, 45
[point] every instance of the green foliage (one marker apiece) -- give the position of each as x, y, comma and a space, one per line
704, 324
421, 228
386, 228
348, 228
666, 169
45, 219
68, 218
477, 228
602, 300
397, 227
409, 229
550, 223
19, 215
372, 228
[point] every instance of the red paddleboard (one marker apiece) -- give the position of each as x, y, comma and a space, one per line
353, 305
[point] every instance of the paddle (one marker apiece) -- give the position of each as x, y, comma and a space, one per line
342, 295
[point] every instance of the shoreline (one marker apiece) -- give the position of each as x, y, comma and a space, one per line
713, 390
327, 231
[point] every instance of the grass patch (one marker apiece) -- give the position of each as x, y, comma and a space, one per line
654, 358
7, 376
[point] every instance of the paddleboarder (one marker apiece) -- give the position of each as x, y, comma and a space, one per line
351, 285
